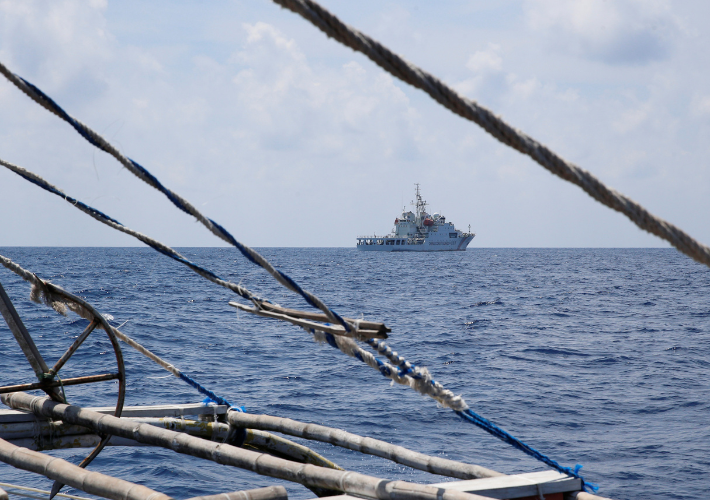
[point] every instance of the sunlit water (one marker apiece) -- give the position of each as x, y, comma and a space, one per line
597, 357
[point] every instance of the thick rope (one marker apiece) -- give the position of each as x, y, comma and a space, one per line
139, 171
494, 125
42, 294
471, 416
420, 380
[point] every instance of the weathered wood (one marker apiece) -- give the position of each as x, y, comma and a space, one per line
85, 310
310, 475
285, 448
366, 325
268, 493
334, 329
531, 484
60, 470
73, 441
362, 444
51, 435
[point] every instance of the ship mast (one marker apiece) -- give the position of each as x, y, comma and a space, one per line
419, 204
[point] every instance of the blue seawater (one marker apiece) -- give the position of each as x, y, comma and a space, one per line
592, 356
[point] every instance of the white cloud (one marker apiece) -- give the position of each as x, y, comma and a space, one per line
54, 39
291, 104
631, 119
701, 106
620, 32
486, 61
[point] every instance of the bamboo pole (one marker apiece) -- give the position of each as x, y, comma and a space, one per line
60, 470
365, 325
334, 329
309, 475
362, 444
268, 493
51, 435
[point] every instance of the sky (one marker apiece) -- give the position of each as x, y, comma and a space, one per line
289, 139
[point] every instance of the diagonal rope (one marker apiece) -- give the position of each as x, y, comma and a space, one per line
102, 217
156, 245
139, 171
419, 379
494, 125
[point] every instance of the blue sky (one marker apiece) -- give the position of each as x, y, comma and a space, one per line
289, 139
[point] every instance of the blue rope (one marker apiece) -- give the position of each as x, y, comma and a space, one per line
472, 417
485, 424
88, 134
84, 132
211, 396
239, 434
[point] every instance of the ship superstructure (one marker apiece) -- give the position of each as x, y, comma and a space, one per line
418, 231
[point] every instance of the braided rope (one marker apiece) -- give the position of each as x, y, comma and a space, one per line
139, 171
494, 125
419, 379
111, 222
470, 416
42, 294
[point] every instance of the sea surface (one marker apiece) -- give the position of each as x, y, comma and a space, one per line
593, 356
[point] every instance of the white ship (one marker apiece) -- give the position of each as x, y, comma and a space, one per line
418, 232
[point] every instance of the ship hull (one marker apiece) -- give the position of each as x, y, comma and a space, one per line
457, 245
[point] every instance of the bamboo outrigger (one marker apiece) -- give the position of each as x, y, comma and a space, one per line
212, 434
220, 434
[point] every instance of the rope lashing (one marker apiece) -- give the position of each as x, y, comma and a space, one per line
497, 127
142, 173
418, 378
37, 281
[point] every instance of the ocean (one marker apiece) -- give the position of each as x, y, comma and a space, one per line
597, 357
